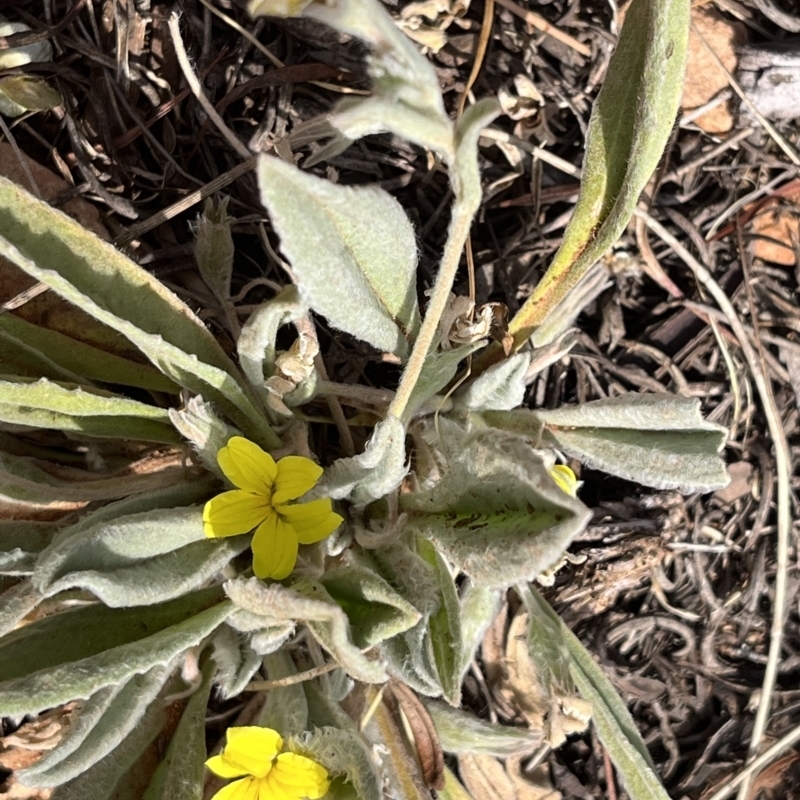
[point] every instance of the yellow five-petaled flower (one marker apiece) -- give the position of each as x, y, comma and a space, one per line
262, 500
254, 756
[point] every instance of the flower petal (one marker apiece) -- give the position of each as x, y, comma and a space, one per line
274, 549
300, 775
246, 789
296, 475
234, 512
311, 521
251, 748
222, 768
247, 466
565, 479
270, 790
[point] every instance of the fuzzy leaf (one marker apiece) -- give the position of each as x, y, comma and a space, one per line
479, 607
95, 269
214, 249
76, 653
307, 602
496, 514
406, 98
444, 626
20, 544
90, 273
16, 603
615, 726
500, 388
374, 609
257, 342
121, 716
378, 471
100, 781
410, 657
21, 480
285, 708
82, 724
137, 560
180, 775
53, 355
462, 732
352, 250
437, 371
236, 662
344, 752
207, 433
654, 439
91, 412
631, 121
183, 493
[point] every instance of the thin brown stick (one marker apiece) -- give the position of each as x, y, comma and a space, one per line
197, 89
540, 23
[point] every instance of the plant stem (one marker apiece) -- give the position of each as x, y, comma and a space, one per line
463, 211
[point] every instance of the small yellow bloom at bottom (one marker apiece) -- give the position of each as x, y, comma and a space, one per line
253, 755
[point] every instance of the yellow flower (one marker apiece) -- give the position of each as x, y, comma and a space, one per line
261, 501
565, 479
253, 755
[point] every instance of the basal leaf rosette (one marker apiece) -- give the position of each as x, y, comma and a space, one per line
263, 499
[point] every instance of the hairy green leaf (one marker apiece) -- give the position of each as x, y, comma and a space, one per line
236, 662
122, 715
352, 250
501, 387
437, 371
497, 514
630, 124
16, 603
479, 607
76, 653
379, 470
374, 609
285, 708
462, 732
91, 274
53, 355
444, 625
615, 726
406, 98
137, 560
91, 412
257, 342
655, 439
307, 601
100, 781
20, 544
343, 752
21, 480
206, 432
180, 775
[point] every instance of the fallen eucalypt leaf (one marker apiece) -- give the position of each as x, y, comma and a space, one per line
193, 517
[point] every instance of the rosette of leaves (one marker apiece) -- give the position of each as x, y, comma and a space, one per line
143, 611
